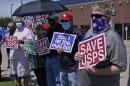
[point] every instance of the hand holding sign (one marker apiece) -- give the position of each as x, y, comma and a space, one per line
78, 56
60, 50
11, 42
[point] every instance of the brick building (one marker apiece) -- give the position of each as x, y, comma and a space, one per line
81, 11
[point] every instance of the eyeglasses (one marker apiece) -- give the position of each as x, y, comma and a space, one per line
97, 16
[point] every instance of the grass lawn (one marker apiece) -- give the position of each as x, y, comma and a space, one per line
6, 81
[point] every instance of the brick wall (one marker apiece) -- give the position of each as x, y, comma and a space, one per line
82, 12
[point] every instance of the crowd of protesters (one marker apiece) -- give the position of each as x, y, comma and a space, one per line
59, 68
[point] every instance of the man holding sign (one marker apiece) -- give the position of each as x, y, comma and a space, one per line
53, 58
106, 72
68, 66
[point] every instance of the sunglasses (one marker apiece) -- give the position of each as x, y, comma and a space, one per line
98, 16
64, 21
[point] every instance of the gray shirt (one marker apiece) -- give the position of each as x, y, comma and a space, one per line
116, 55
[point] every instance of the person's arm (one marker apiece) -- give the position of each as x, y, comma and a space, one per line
3, 36
111, 70
2, 41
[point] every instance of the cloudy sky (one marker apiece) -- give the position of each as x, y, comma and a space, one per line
5, 6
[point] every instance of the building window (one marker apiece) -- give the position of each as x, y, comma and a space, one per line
118, 29
75, 26
127, 31
85, 28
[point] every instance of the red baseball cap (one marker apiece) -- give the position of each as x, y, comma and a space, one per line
66, 17
46, 27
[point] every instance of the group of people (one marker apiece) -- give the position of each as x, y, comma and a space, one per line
59, 68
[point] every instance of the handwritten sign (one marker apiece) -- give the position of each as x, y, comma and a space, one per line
93, 50
63, 40
11, 42
43, 46
30, 47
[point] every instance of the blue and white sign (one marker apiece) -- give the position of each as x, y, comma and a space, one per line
63, 40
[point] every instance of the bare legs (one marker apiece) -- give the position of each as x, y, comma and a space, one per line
18, 80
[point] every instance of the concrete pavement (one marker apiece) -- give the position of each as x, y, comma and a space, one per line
124, 75
5, 71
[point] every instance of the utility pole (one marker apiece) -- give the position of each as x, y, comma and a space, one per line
21, 2
11, 10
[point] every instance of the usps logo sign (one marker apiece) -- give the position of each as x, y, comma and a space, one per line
93, 50
11, 42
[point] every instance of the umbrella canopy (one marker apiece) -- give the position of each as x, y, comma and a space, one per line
39, 8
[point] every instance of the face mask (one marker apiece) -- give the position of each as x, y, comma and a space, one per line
6, 31
66, 25
8, 28
99, 25
37, 32
19, 25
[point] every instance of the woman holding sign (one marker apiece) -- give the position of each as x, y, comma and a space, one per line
37, 62
19, 61
11, 28
106, 72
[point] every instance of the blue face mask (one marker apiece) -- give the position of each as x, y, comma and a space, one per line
66, 25
99, 25
19, 25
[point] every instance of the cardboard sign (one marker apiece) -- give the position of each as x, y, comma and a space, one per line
11, 42
42, 46
63, 40
93, 50
30, 47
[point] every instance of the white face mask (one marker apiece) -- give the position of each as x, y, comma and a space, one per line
19, 25
8, 29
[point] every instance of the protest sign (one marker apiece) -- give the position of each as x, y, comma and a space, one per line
40, 18
43, 46
28, 20
93, 50
30, 47
63, 40
11, 42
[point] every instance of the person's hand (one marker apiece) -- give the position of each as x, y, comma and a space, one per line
91, 69
59, 51
6, 39
78, 56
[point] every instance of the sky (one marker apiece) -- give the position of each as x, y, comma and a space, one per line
5, 6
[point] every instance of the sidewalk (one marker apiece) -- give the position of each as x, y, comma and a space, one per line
5, 71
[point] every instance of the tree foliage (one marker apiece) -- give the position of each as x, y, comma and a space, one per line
4, 21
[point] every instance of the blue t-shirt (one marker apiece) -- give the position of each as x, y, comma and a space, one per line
2, 35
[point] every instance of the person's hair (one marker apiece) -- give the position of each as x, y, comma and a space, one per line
19, 18
12, 24
38, 26
103, 6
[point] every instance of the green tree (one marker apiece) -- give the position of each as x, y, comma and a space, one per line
4, 21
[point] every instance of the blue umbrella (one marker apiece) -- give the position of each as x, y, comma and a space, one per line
40, 7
